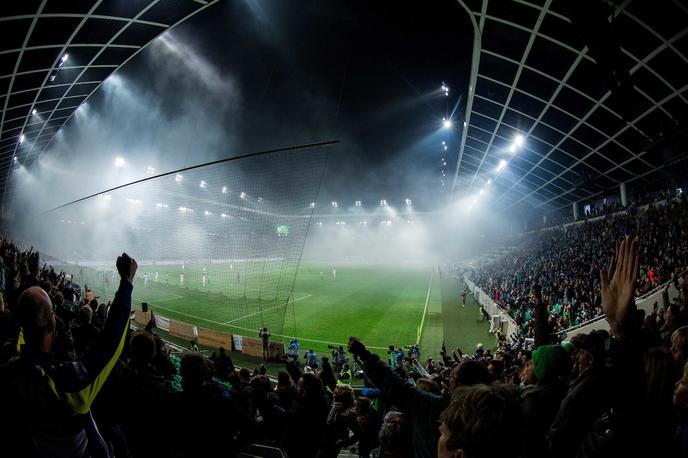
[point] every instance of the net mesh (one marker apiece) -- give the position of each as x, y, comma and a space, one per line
218, 246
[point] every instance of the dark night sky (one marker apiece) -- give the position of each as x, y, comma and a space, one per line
365, 72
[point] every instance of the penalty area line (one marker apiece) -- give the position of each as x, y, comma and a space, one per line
265, 310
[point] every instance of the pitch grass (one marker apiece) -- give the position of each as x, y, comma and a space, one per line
462, 326
381, 305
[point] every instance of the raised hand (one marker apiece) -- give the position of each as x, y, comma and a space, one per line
618, 284
126, 267
355, 346
34, 263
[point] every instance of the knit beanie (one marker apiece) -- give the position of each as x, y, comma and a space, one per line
550, 362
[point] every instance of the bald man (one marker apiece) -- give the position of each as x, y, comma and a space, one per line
48, 402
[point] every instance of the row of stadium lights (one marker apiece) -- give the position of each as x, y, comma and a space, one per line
34, 112
243, 195
150, 170
161, 205
447, 123
365, 223
358, 203
515, 145
120, 162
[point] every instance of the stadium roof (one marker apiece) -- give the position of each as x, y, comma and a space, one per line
536, 71
55, 54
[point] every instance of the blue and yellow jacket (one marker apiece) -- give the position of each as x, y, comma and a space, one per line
51, 399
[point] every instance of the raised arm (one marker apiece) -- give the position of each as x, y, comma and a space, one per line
541, 321
625, 355
100, 356
396, 390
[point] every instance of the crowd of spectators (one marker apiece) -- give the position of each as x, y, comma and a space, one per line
76, 380
565, 262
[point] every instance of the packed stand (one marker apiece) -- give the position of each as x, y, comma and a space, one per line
565, 263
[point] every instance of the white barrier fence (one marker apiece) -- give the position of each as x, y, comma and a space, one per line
509, 326
645, 302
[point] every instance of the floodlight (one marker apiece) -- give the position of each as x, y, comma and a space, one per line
224, 215
119, 162
225, 190
150, 170
242, 195
446, 123
179, 178
501, 165
512, 148
482, 191
64, 59
22, 137
208, 213
357, 203
33, 112
445, 89
518, 140
383, 203
312, 205
334, 204
203, 184
408, 202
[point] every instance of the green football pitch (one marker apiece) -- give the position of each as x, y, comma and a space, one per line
381, 305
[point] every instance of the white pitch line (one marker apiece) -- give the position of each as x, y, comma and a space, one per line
261, 311
425, 310
175, 297
194, 316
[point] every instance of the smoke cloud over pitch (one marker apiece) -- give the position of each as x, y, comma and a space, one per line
192, 97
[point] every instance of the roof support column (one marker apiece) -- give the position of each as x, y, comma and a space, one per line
622, 191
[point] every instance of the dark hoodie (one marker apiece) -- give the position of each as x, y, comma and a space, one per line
540, 402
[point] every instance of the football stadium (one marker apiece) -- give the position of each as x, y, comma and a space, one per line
281, 229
